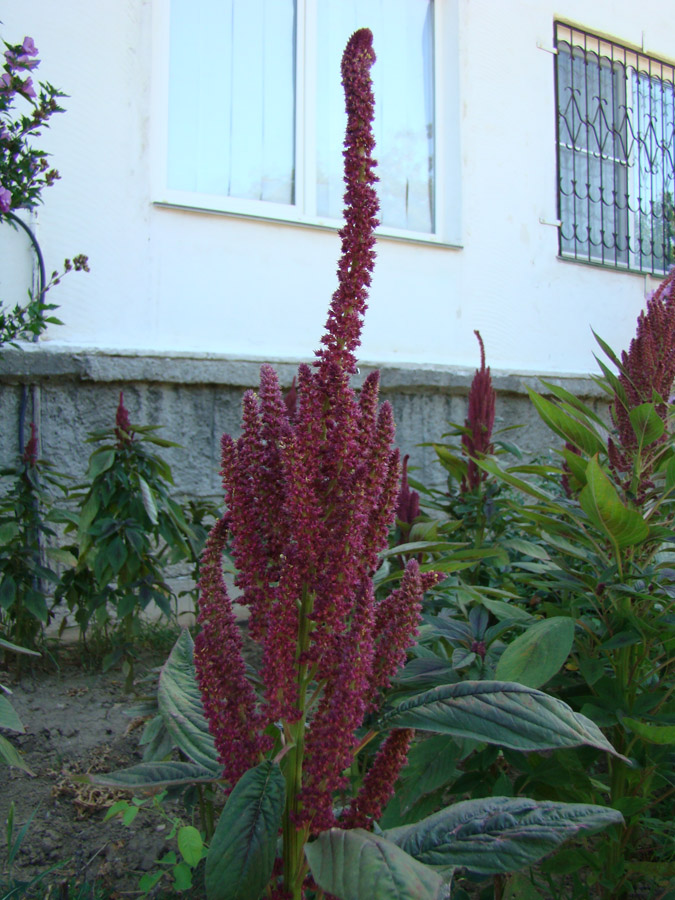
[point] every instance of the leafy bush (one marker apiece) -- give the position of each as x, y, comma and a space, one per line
128, 528
25, 575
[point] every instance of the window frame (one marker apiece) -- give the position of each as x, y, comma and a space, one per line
633, 64
303, 211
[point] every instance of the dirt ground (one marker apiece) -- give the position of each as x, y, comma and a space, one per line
78, 721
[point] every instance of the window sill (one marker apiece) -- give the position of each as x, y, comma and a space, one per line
299, 221
624, 268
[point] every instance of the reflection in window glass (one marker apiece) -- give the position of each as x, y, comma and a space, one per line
404, 103
232, 98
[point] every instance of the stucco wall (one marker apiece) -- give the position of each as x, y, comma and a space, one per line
175, 281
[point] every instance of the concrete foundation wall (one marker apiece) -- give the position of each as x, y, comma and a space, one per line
196, 398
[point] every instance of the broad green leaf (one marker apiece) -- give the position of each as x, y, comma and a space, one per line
149, 880
358, 865
498, 834
9, 717
497, 712
34, 601
490, 466
7, 592
653, 734
100, 461
244, 845
180, 704
535, 656
148, 500
152, 775
603, 506
8, 530
182, 877
527, 548
60, 554
190, 844
11, 756
565, 426
647, 424
505, 611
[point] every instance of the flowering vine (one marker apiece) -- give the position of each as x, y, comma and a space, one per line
24, 169
311, 487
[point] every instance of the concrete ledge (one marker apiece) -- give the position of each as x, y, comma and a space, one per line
70, 391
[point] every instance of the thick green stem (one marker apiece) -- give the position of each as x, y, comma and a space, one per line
294, 838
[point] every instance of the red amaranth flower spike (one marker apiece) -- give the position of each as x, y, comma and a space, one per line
310, 488
123, 429
378, 785
479, 421
408, 503
30, 453
647, 367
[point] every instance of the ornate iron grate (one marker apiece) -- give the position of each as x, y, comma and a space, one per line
616, 153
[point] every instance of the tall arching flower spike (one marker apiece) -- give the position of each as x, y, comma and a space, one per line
311, 488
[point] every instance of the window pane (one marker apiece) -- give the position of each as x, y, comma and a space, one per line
232, 98
404, 102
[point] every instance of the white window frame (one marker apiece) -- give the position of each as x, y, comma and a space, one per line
302, 212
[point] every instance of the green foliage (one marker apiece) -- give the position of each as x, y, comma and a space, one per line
610, 574
12, 887
26, 575
127, 529
243, 843
9, 718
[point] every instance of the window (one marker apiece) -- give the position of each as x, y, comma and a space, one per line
255, 110
616, 153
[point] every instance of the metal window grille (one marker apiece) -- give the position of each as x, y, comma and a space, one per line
616, 153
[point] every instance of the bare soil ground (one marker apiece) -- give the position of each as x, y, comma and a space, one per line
77, 721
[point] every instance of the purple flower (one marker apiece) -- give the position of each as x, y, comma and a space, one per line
123, 429
30, 453
29, 47
5, 200
27, 88
5, 81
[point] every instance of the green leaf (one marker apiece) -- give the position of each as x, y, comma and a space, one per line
647, 424
535, 656
11, 756
180, 704
152, 775
653, 734
182, 877
527, 548
603, 506
243, 849
357, 865
190, 845
7, 592
519, 887
8, 531
9, 718
35, 603
8, 645
565, 426
498, 834
497, 712
148, 500
505, 612
149, 880
100, 461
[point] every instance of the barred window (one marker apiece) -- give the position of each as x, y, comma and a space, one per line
616, 153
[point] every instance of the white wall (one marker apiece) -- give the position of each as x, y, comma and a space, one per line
176, 280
